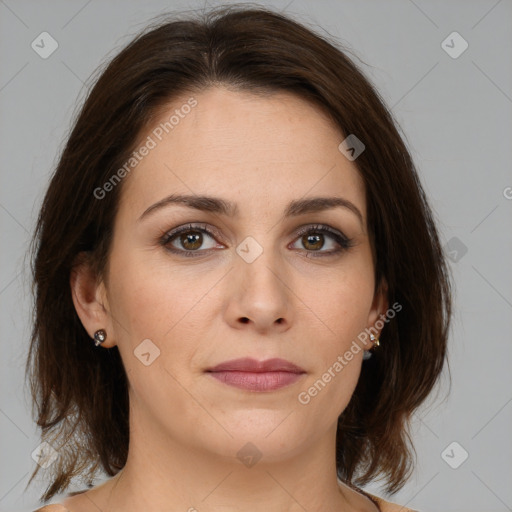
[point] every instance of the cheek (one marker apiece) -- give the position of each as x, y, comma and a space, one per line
152, 301
149, 297
344, 302
343, 305
329, 389
152, 313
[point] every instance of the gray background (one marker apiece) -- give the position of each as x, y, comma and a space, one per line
456, 114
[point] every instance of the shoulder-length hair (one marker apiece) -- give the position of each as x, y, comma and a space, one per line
80, 393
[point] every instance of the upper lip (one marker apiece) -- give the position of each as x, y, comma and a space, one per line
248, 364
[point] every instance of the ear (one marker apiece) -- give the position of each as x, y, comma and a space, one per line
90, 299
379, 307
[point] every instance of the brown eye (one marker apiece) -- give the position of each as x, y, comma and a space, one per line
313, 242
314, 238
189, 240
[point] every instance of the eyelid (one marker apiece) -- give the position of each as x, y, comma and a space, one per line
190, 226
339, 237
306, 228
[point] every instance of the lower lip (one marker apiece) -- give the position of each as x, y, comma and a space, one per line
262, 381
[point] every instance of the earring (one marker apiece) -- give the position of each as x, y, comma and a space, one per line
99, 337
367, 353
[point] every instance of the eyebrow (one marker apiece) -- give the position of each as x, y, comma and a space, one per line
222, 207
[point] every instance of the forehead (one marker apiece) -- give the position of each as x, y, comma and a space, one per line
258, 150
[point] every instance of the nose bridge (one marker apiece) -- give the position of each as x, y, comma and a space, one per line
259, 262
262, 293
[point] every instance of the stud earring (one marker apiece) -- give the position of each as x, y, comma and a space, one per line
368, 353
99, 337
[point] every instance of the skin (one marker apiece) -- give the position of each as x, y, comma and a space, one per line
186, 427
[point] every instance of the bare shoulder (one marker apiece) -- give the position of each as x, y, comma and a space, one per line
69, 503
52, 508
388, 506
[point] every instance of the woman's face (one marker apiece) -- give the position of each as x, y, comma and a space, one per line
262, 282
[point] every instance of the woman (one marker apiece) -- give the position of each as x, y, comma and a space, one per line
240, 290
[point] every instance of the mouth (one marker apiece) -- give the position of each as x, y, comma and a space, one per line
253, 375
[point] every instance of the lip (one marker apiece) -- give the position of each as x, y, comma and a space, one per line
247, 364
253, 375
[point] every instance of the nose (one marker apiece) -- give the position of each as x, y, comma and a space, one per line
260, 295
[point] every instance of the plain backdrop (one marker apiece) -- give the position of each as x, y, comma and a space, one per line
454, 105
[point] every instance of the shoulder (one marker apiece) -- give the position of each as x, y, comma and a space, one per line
387, 506
52, 508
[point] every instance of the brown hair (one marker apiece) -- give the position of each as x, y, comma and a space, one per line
81, 393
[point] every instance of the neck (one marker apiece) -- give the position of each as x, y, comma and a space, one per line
164, 473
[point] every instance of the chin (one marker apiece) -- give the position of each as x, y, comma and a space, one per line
260, 436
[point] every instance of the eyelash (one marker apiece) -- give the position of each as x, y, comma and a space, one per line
344, 242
